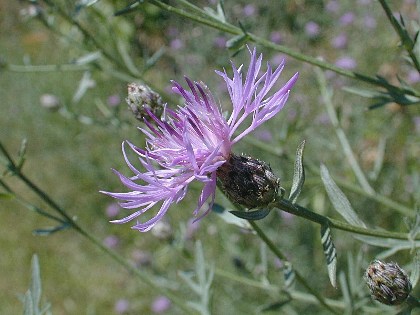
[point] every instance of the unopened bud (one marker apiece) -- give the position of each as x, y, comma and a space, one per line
248, 181
388, 283
142, 100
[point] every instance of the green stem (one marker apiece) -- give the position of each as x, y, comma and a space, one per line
46, 68
86, 34
300, 211
387, 202
210, 21
68, 219
406, 41
345, 144
298, 276
413, 301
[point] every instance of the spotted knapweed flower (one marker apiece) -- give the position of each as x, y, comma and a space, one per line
192, 142
387, 282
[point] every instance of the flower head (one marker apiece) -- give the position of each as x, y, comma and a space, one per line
192, 142
387, 282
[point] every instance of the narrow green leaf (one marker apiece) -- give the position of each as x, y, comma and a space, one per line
406, 311
131, 7
289, 275
150, 62
298, 174
226, 215
345, 289
28, 305
415, 273
218, 14
218, 208
35, 287
88, 58
86, 83
51, 230
22, 154
339, 200
123, 50
237, 43
276, 306
252, 215
364, 92
393, 244
330, 254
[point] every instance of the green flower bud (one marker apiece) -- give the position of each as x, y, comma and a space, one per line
388, 283
142, 99
248, 181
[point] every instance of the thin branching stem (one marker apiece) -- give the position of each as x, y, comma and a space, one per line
206, 19
298, 276
46, 68
341, 135
385, 201
287, 206
406, 41
69, 220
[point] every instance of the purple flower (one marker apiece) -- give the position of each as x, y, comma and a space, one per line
369, 21
194, 141
111, 241
413, 76
340, 41
346, 63
249, 10
332, 6
220, 42
176, 44
347, 18
113, 100
276, 37
312, 29
122, 306
112, 210
161, 304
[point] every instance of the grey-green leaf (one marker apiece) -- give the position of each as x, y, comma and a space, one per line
339, 200
330, 254
28, 304
35, 288
252, 215
298, 174
289, 275
415, 273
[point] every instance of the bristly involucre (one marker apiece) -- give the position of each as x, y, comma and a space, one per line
192, 142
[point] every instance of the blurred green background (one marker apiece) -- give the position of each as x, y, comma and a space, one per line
72, 149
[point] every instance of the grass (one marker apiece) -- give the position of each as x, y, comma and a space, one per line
72, 161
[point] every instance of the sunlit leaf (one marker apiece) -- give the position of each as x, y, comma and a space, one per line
88, 58
339, 200
330, 254
252, 215
28, 305
394, 245
415, 273
35, 288
85, 84
131, 7
289, 275
298, 174
276, 306
49, 231
229, 218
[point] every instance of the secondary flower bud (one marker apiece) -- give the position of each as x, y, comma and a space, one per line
248, 181
388, 283
142, 100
